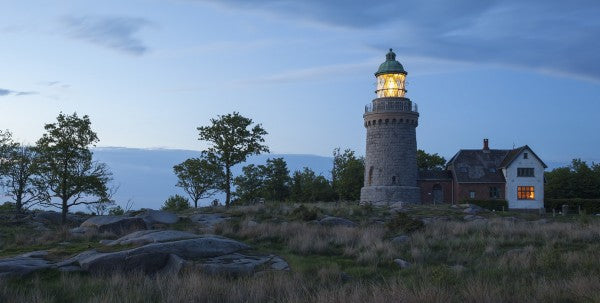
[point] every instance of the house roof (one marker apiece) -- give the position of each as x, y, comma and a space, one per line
484, 166
478, 166
435, 175
512, 155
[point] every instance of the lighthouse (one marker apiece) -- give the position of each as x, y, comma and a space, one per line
391, 120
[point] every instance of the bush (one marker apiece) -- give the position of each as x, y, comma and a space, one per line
498, 205
8, 207
176, 203
404, 223
590, 206
116, 211
305, 214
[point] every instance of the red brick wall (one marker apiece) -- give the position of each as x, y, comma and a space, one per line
427, 190
482, 191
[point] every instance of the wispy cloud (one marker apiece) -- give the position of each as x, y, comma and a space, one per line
542, 35
8, 92
119, 33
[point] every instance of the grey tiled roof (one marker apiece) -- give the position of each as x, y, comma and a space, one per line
479, 166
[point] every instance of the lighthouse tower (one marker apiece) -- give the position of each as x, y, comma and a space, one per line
391, 120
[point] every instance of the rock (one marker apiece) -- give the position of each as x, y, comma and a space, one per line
52, 217
241, 264
151, 216
105, 242
399, 240
251, 223
454, 206
470, 218
401, 263
23, 264
335, 221
208, 220
173, 266
151, 258
70, 268
81, 230
114, 224
151, 236
345, 277
473, 209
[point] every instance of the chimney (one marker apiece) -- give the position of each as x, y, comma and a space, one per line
485, 144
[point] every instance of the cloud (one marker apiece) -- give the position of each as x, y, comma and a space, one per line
119, 33
7, 92
544, 35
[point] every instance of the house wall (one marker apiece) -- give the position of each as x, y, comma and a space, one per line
427, 190
512, 182
482, 191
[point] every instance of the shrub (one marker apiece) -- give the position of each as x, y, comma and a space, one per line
497, 205
8, 206
305, 214
176, 203
405, 223
590, 206
116, 211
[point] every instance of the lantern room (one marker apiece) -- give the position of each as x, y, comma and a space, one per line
391, 77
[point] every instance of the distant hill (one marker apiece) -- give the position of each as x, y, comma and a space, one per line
146, 175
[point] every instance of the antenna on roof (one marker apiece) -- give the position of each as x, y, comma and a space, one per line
513, 145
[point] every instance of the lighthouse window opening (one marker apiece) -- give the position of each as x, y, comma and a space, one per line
393, 179
387, 121
390, 85
370, 175
379, 121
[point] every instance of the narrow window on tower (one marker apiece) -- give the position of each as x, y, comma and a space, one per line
370, 175
393, 179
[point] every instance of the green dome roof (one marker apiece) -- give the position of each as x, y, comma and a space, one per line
390, 66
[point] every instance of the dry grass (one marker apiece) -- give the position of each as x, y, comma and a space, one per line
493, 261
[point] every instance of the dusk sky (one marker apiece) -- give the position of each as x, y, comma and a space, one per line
149, 72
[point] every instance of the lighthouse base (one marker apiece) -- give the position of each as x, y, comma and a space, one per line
390, 195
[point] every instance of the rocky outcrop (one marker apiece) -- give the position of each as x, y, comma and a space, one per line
114, 224
208, 220
335, 221
23, 264
52, 217
151, 236
210, 254
152, 217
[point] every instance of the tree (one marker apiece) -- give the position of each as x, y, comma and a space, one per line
7, 145
348, 174
250, 185
577, 180
232, 140
199, 178
66, 172
277, 180
19, 177
176, 203
308, 187
427, 161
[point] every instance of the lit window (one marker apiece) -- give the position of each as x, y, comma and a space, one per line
525, 156
494, 192
472, 194
390, 85
525, 193
525, 172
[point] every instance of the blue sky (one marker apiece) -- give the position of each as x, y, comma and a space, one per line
149, 72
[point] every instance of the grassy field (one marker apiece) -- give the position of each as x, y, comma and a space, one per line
508, 257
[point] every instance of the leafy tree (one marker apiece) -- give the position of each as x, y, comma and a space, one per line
67, 174
199, 178
7, 145
308, 187
176, 203
427, 161
232, 140
250, 185
277, 180
19, 176
348, 174
578, 180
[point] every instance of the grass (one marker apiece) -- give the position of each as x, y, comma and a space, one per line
497, 260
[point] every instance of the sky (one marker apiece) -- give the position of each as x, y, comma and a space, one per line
149, 72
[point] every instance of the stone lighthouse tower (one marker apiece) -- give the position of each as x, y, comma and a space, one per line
391, 120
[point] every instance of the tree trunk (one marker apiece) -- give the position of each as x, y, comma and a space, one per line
65, 210
227, 185
19, 203
195, 203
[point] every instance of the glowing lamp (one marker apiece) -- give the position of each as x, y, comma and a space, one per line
391, 77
